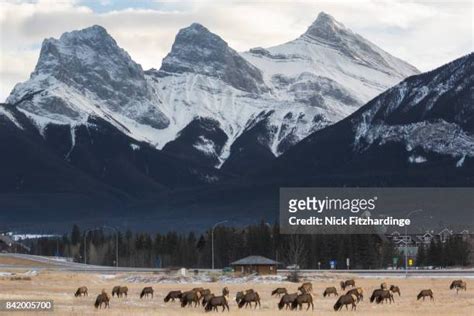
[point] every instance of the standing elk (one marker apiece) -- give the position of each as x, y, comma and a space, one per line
102, 299
395, 289
225, 291
458, 285
306, 287
347, 283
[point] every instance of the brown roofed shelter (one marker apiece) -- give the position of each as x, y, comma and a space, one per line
255, 264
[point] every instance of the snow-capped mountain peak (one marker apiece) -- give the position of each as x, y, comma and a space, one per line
197, 50
86, 73
324, 26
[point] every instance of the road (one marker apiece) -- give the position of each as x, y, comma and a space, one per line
55, 264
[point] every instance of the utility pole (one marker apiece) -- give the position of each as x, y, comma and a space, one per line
116, 245
85, 243
406, 241
212, 240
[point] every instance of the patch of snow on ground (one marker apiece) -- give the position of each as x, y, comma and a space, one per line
460, 162
417, 159
135, 147
202, 278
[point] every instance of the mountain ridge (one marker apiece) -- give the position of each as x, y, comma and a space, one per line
86, 73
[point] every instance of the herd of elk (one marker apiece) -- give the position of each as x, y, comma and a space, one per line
251, 298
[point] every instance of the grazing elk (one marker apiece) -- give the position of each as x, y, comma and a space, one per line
286, 300
347, 283
116, 290
279, 291
395, 289
305, 298
248, 298
306, 287
216, 301
425, 293
330, 290
206, 298
172, 295
102, 299
82, 291
384, 295
120, 291
189, 297
347, 299
147, 291
376, 293
239, 296
458, 285
358, 292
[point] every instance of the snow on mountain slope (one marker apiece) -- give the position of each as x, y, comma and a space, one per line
421, 128
333, 53
433, 111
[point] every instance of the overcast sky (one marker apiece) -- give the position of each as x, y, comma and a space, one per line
425, 33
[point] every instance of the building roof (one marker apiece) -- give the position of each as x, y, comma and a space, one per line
254, 261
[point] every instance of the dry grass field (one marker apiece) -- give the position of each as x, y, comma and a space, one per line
60, 287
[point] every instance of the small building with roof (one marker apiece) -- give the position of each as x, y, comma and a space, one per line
255, 264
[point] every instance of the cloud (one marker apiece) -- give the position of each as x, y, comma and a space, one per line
426, 34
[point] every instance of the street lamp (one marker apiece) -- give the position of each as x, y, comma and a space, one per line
212, 240
116, 244
273, 239
406, 241
85, 242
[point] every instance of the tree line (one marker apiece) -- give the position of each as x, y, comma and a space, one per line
193, 250
455, 251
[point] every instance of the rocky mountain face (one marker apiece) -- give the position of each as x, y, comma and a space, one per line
419, 132
84, 73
